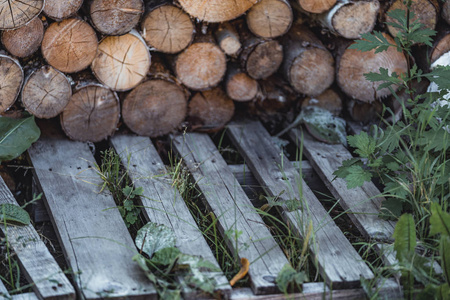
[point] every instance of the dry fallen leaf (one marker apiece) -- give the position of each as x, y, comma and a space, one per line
245, 264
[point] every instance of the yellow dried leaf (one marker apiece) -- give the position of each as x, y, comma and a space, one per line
245, 264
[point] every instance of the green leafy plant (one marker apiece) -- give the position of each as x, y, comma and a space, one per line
11, 213
409, 156
169, 269
16, 136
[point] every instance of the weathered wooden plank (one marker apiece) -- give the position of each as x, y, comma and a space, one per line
94, 238
25, 296
363, 204
241, 226
38, 265
338, 261
3, 291
162, 202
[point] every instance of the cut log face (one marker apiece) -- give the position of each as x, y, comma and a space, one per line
264, 60
364, 112
46, 92
270, 18
11, 78
15, 14
308, 65
351, 19
59, 10
425, 11
70, 45
328, 100
316, 6
122, 62
440, 48
25, 40
216, 10
239, 86
446, 12
228, 39
201, 66
354, 64
92, 114
167, 29
116, 17
155, 108
212, 109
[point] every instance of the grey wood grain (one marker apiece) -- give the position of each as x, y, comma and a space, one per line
25, 296
3, 291
161, 201
38, 265
94, 238
363, 204
239, 223
338, 261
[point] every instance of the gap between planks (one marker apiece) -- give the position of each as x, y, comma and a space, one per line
337, 260
162, 203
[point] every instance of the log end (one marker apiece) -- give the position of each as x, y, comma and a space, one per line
11, 78
329, 100
265, 59
59, 10
242, 87
216, 10
270, 18
15, 14
316, 6
24, 41
155, 108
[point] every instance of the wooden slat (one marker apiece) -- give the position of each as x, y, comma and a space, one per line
363, 204
3, 291
25, 296
94, 238
226, 199
36, 262
161, 201
338, 261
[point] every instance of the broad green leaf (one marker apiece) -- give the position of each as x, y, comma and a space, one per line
439, 221
443, 292
153, 237
391, 208
289, 276
16, 136
322, 125
14, 213
196, 277
165, 256
441, 76
405, 237
444, 249
357, 176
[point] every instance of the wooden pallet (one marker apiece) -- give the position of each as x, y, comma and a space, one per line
98, 247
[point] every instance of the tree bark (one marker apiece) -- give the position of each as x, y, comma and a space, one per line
59, 10
69, 45
92, 114
24, 41
202, 65
308, 65
350, 18
353, 64
329, 100
261, 58
270, 18
46, 92
11, 78
115, 17
167, 29
15, 14
426, 12
210, 110
316, 6
122, 62
216, 10
238, 85
228, 39
157, 106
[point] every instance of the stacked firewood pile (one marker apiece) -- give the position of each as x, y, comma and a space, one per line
158, 63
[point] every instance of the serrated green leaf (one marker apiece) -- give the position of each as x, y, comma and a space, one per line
289, 276
441, 76
439, 221
357, 176
131, 218
342, 171
16, 136
153, 237
127, 191
364, 144
370, 41
138, 191
405, 237
14, 213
